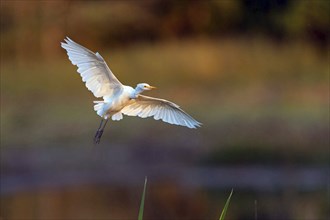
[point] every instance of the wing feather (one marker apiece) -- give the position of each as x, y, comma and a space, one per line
167, 116
145, 106
93, 69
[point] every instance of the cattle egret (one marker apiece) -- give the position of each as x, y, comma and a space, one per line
120, 99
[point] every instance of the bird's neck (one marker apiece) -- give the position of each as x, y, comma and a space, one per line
137, 91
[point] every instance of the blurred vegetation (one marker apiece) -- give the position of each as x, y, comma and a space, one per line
230, 85
27, 25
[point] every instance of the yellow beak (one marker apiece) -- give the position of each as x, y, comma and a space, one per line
152, 87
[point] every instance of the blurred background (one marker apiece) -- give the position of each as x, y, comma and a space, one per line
254, 72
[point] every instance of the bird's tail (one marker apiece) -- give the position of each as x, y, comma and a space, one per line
98, 107
101, 110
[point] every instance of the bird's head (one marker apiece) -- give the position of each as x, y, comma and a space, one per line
143, 87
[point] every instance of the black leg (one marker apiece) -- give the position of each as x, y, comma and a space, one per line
102, 120
99, 132
105, 123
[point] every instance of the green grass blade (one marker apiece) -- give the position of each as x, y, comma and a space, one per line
224, 211
142, 200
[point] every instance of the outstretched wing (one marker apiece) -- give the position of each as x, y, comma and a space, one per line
145, 106
93, 69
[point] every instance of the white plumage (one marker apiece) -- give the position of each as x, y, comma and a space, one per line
120, 99
93, 69
144, 106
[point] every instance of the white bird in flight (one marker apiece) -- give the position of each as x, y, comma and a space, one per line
120, 99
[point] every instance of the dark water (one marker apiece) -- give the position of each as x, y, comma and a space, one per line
69, 175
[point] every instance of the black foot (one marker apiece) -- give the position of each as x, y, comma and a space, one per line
98, 136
